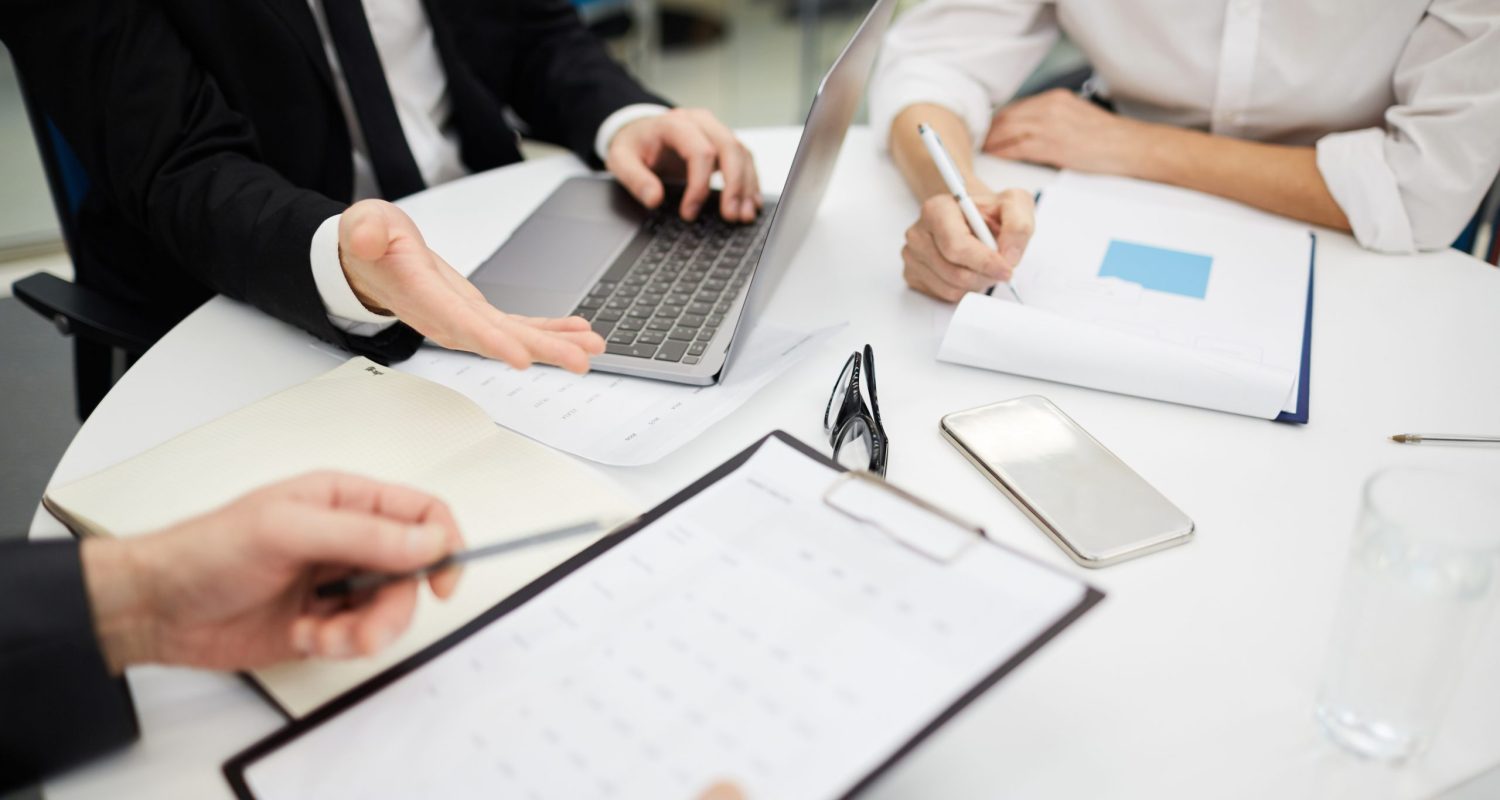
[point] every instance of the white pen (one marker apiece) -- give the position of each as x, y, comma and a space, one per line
955, 185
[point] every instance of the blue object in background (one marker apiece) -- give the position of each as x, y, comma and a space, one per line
1157, 268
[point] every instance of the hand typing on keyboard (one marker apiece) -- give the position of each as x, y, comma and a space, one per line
688, 144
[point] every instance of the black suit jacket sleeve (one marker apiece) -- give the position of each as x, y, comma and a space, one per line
205, 194
158, 139
58, 703
554, 73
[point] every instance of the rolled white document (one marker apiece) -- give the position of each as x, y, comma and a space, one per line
1024, 340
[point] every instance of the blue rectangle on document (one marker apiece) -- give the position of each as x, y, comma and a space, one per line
1157, 268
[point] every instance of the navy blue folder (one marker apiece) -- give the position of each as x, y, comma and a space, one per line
1300, 415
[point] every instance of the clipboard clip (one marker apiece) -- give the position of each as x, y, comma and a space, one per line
918, 525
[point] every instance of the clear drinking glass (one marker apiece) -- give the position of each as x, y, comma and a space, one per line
1421, 581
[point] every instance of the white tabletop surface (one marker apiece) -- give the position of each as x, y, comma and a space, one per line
1196, 675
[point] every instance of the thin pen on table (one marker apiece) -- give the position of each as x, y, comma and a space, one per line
367, 581
1418, 438
955, 184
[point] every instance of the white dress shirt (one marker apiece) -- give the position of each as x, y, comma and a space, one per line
419, 86
1400, 97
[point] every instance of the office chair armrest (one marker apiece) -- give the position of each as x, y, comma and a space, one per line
88, 314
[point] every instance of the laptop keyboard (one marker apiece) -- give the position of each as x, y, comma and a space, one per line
669, 301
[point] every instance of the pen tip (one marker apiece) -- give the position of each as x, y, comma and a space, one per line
1400, 437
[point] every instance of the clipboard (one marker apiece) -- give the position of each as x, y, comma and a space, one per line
943, 549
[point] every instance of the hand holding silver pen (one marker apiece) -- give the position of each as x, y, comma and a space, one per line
369, 581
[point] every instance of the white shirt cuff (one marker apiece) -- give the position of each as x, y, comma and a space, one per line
1354, 168
614, 122
907, 84
344, 309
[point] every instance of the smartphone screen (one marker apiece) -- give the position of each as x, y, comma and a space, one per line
1089, 501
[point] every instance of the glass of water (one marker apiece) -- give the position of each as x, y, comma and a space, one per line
1423, 575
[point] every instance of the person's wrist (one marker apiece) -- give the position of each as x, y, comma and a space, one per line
1140, 150
119, 598
622, 118
977, 188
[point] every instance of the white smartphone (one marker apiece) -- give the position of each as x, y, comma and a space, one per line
1079, 493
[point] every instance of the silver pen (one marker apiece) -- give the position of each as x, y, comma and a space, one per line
1418, 438
366, 581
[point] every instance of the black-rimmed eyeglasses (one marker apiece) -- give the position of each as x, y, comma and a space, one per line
854, 428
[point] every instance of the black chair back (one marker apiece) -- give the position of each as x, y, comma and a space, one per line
108, 335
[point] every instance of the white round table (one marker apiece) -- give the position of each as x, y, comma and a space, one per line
1196, 675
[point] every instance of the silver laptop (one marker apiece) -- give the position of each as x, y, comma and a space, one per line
673, 299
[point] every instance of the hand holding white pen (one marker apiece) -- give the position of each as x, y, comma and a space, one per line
952, 249
955, 184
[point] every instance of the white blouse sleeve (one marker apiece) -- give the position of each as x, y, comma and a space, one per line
965, 55
1414, 184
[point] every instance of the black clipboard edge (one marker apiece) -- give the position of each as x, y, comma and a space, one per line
234, 768
1091, 598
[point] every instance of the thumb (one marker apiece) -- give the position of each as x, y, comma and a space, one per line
322, 536
1013, 218
365, 230
637, 178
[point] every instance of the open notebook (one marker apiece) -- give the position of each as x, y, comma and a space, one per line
369, 420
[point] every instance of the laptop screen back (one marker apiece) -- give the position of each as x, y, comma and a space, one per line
828, 120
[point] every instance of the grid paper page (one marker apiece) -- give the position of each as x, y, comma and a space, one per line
752, 634
614, 419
